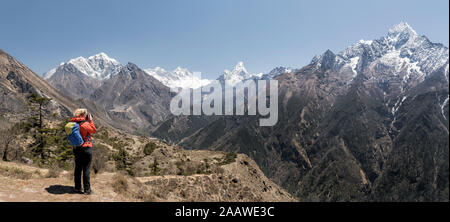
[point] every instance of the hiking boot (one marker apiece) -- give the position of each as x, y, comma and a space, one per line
88, 192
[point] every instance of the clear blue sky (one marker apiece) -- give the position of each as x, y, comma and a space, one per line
205, 35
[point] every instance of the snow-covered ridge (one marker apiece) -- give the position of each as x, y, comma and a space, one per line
182, 77
179, 77
99, 66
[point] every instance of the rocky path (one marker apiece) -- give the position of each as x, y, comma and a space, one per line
39, 188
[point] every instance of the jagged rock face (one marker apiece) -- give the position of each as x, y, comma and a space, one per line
73, 83
17, 82
134, 96
277, 71
369, 123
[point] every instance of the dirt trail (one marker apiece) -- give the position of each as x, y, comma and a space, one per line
38, 188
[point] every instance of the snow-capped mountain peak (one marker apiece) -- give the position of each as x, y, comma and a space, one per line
101, 55
402, 34
402, 27
182, 72
401, 55
237, 74
238, 71
240, 67
99, 66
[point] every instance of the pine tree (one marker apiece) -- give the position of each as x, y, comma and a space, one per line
38, 103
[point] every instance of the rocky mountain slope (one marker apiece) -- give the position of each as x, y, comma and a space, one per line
367, 124
73, 83
134, 96
17, 80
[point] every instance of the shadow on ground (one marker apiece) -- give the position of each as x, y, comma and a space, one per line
60, 189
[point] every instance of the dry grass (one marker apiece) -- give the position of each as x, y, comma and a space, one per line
120, 184
130, 187
70, 175
38, 173
15, 172
53, 172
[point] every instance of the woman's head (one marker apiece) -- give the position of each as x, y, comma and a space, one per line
80, 112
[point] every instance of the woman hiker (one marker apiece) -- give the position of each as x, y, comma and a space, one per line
83, 153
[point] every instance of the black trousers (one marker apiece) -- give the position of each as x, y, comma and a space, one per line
83, 158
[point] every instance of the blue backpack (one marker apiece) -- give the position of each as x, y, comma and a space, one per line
73, 133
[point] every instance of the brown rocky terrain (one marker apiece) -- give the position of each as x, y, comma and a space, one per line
240, 180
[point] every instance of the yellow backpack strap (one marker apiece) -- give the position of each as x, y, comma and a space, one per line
68, 128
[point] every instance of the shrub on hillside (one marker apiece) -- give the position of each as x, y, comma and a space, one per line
228, 158
149, 148
124, 161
